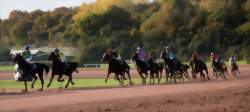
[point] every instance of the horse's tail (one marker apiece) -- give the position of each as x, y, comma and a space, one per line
75, 65
46, 68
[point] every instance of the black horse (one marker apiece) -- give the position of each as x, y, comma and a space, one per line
142, 67
199, 66
62, 68
155, 68
30, 70
150, 66
117, 67
234, 69
185, 68
219, 69
173, 68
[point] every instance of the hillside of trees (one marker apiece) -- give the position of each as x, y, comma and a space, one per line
185, 25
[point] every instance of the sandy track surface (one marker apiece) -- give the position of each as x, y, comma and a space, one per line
232, 95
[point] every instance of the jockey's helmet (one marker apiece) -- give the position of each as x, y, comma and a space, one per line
56, 50
27, 47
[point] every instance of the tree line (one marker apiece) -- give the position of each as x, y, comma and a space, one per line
186, 26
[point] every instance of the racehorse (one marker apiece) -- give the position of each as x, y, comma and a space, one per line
234, 69
173, 69
30, 70
116, 67
142, 67
62, 68
184, 68
155, 68
198, 66
219, 69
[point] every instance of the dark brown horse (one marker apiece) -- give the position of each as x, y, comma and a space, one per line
30, 70
199, 66
62, 68
119, 68
219, 69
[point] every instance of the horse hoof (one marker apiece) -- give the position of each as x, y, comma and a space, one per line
131, 83
40, 89
73, 83
24, 90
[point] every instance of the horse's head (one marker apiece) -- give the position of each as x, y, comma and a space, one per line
106, 57
17, 58
135, 57
53, 56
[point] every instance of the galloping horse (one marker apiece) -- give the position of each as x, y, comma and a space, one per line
30, 70
117, 67
198, 66
219, 69
234, 69
142, 67
172, 69
184, 68
155, 68
62, 68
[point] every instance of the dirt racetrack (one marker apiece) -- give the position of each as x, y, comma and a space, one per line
232, 95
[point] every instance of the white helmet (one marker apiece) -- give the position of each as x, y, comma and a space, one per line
167, 47
138, 49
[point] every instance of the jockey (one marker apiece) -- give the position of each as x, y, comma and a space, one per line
115, 55
232, 60
27, 54
215, 58
166, 53
195, 56
59, 54
61, 57
142, 55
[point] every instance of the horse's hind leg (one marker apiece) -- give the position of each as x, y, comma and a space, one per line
202, 75
70, 78
35, 78
120, 81
52, 77
173, 75
130, 81
41, 79
208, 78
158, 77
153, 78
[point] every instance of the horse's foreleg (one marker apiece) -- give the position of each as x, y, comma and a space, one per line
60, 78
238, 70
71, 80
141, 77
152, 78
25, 84
52, 77
208, 78
106, 80
182, 75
